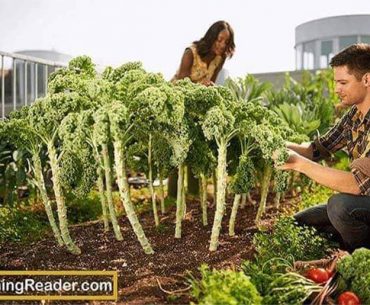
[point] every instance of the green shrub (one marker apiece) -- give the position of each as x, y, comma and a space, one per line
342, 161
317, 195
290, 242
224, 287
86, 209
21, 224
262, 274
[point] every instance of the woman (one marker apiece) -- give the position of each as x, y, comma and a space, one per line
203, 60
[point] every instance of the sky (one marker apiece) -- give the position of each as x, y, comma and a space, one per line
156, 32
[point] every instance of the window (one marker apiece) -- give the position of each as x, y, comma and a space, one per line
365, 39
326, 53
298, 57
308, 55
346, 41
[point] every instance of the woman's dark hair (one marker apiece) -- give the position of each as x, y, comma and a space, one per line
356, 57
204, 45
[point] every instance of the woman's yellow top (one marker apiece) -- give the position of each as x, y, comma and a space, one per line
200, 71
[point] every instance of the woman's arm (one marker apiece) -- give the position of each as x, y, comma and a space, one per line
186, 64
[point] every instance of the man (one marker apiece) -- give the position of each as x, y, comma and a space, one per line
347, 213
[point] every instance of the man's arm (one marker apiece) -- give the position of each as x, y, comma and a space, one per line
334, 179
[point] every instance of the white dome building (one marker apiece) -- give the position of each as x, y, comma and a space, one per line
318, 40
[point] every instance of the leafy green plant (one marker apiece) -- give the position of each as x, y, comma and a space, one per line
298, 117
21, 224
224, 287
84, 209
317, 195
291, 242
290, 288
247, 88
262, 273
355, 271
306, 106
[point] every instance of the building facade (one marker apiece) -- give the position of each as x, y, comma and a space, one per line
318, 40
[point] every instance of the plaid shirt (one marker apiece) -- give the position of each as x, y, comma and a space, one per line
350, 133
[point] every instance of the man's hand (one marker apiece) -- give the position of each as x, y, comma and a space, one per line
293, 161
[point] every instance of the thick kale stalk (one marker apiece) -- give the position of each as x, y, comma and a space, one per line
277, 200
220, 200
219, 124
179, 201
243, 200
234, 211
214, 182
103, 199
37, 169
203, 198
161, 192
265, 183
247, 198
150, 178
125, 197
108, 184
60, 200
184, 191
120, 127
102, 137
162, 153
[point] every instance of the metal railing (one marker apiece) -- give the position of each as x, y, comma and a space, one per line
25, 74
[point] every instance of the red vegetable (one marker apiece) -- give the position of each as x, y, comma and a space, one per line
318, 275
330, 272
348, 298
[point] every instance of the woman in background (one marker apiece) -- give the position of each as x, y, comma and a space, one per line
204, 59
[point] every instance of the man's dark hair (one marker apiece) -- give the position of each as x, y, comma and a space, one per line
356, 57
204, 45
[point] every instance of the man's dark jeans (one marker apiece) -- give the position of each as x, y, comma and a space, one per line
346, 216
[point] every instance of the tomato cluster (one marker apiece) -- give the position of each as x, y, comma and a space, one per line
321, 275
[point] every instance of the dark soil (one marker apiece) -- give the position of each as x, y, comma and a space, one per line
140, 274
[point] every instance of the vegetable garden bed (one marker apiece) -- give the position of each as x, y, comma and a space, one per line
139, 273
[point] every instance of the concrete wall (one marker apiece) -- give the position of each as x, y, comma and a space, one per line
277, 79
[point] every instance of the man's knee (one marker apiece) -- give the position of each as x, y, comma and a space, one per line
338, 205
312, 216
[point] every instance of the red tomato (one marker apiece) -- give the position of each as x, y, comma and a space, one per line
330, 273
318, 275
348, 298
